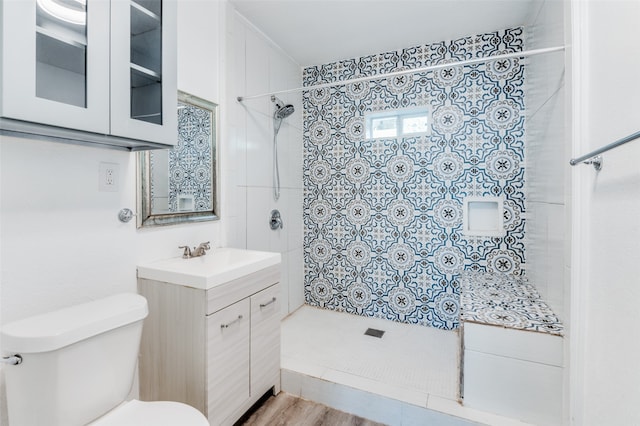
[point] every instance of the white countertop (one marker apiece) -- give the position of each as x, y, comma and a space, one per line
218, 266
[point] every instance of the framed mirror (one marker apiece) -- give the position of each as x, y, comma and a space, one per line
180, 184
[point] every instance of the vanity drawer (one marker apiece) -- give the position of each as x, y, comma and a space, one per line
223, 295
228, 360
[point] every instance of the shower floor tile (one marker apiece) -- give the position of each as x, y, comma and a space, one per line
409, 363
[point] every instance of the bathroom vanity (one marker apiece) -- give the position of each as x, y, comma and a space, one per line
212, 337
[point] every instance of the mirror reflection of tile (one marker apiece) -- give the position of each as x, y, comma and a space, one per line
181, 177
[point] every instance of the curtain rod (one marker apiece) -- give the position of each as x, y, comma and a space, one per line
410, 71
595, 159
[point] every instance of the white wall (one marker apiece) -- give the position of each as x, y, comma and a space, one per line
605, 279
257, 66
201, 72
61, 240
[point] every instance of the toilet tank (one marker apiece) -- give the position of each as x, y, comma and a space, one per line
78, 362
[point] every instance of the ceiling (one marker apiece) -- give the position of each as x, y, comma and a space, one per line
315, 32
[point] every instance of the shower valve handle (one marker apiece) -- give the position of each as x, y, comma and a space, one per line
275, 222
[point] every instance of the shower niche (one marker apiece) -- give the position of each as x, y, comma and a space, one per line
483, 217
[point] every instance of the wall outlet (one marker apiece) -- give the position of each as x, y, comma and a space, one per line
108, 177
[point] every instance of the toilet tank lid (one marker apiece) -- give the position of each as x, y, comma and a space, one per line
57, 329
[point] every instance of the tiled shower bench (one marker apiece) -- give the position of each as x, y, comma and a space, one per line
512, 349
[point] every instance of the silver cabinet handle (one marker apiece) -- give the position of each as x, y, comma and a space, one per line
223, 326
263, 305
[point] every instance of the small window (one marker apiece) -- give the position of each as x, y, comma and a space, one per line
398, 123
414, 124
386, 127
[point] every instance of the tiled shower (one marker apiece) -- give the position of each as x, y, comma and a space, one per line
493, 133
383, 217
383, 220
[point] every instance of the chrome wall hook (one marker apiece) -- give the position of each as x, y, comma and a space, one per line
125, 215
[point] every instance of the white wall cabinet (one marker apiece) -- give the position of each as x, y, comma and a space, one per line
217, 350
94, 71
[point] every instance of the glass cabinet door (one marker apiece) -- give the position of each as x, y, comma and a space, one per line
56, 63
143, 79
61, 51
146, 61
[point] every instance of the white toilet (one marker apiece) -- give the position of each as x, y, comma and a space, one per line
78, 366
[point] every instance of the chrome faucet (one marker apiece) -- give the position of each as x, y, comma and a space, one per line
201, 250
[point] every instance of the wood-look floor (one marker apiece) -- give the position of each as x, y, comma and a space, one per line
288, 410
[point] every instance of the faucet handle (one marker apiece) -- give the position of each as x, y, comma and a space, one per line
187, 252
202, 249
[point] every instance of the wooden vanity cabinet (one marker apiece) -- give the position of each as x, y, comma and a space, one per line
217, 350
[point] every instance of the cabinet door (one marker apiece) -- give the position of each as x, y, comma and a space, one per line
265, 340
144, 96
55, 63
227, 360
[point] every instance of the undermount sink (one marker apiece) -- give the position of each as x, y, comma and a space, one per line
218, 266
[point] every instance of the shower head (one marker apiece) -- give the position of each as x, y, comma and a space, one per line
282, 110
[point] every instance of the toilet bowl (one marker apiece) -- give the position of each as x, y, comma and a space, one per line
77, 367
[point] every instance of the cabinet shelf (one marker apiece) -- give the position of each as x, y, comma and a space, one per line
141, 76
146, 95
143, 19
58, 54
66, 37
146, 50
148, 116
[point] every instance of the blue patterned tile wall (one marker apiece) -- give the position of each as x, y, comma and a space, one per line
383, 217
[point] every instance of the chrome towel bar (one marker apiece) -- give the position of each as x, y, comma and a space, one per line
595, 159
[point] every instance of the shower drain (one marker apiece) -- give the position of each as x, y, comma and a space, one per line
374, 332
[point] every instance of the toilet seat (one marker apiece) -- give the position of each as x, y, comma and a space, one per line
154, 413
